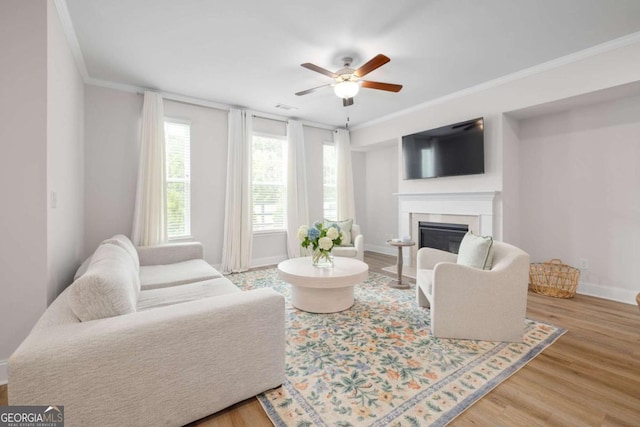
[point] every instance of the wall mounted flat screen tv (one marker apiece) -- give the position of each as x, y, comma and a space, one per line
456, 149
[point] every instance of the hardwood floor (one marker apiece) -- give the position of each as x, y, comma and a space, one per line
589, 377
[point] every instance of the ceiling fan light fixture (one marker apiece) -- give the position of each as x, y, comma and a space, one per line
346, 89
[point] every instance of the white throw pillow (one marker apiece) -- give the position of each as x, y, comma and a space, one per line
345, 227
108, 288
126, 244
474, 251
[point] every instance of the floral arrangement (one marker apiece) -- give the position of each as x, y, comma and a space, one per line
322, 239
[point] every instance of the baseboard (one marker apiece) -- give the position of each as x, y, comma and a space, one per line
381, 249
607, 292
4, 371
262, 262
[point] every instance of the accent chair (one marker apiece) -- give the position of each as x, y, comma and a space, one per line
354, 250
470, 303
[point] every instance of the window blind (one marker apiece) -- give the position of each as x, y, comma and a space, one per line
329, 179
269, 177
178, 173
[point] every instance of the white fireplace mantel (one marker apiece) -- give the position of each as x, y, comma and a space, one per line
468, 204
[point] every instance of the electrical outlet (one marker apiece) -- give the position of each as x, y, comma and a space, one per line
584, 264
54, 200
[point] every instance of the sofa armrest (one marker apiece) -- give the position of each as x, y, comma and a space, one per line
167, 366
170, 253
427, 258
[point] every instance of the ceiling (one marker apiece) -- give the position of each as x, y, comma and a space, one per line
248, 53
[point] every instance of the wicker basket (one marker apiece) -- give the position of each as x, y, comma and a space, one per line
553, 278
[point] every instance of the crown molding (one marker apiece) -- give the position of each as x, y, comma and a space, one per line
536, 69
72, 39
197, 101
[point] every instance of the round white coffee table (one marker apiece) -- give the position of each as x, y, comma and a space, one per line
322, 289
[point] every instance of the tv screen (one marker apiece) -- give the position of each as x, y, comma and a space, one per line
457, 149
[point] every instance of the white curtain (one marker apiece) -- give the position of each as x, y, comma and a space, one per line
344, 176
297, 199
150, 214
238, 231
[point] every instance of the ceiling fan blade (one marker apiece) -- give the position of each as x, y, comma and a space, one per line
347, 101
313, 67
378, 61
390, 87
313, 89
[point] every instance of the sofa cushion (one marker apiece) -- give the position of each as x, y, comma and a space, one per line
345, 227
126, 244
109, 287
424, 278
179, 273
83, 267
154, 298
474, 250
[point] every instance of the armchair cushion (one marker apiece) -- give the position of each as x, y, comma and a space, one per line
474, 251
109, 288
346, 251
345, 227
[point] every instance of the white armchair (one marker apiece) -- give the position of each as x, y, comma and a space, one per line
356, 249
468, 303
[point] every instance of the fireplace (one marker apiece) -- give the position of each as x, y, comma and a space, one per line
443, 236
472, 209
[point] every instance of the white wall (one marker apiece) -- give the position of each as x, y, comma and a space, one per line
111, 164
65, 159
565, 79
579, 193
508, 215
583, 73
208, 173
23, 135
112, 132
41, 130
112, 126
381, 205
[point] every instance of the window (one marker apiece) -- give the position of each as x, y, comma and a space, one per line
178, 171
269, 177
329, 179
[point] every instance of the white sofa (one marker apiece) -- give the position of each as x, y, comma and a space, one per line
163, 356
469, 303
163, 266
354, 250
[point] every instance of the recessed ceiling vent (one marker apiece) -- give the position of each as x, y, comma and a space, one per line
286, 107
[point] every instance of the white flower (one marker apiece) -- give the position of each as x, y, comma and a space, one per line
325, 243
332, 233
302, 232
342, 236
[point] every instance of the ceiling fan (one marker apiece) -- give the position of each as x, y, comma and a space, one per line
347, 81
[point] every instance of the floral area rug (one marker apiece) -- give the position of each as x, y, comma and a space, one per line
376, 364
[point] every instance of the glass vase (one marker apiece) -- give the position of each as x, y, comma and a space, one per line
322, 258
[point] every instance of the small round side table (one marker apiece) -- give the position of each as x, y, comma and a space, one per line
398, 283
